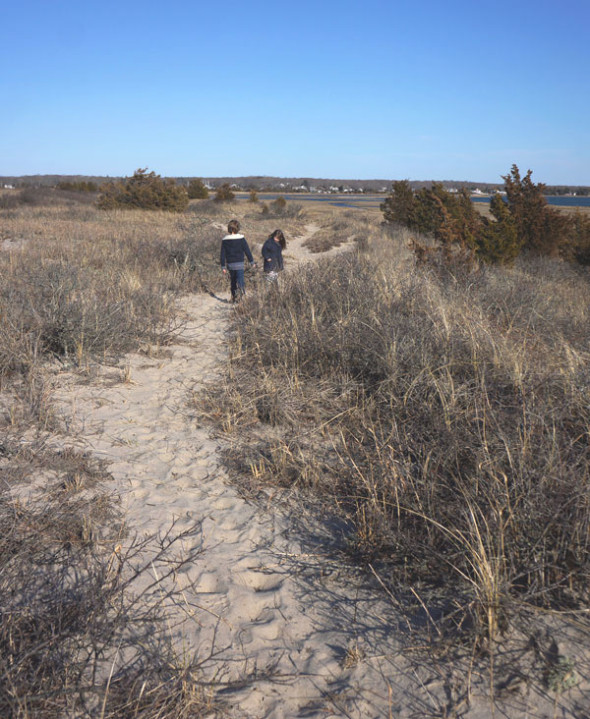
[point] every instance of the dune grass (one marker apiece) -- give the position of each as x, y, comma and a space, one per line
444, 416
85, 616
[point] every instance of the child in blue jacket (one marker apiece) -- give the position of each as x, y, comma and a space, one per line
233, 249
272, 253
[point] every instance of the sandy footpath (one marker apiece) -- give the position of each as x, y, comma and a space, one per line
293, 634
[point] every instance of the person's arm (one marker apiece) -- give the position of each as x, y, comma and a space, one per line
248, 253
222, 256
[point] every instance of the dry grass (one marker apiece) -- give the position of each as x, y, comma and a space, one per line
445, 416
338, 228
87, 283
85, 624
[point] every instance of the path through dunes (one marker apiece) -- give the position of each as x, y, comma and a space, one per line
290, 634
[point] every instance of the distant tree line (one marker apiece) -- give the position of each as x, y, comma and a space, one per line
561, 190
280, 184
522, 221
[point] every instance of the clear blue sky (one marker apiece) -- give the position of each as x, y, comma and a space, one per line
388, 89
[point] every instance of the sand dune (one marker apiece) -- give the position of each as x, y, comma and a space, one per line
289, 632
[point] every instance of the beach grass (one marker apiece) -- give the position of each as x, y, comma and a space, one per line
439, 419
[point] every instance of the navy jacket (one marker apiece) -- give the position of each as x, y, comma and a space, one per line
233, 249
273, 256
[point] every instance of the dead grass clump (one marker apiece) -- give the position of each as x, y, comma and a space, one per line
80, 282
340, 229
83, 622
56, 307
455, 435
281, 209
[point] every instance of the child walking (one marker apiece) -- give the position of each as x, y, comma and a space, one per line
272, 252
233, 249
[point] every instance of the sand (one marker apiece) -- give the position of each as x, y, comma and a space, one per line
287, 630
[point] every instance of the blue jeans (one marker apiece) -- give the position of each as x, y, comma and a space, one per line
238, 286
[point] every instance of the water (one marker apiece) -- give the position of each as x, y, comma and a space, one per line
564, 201
339, 200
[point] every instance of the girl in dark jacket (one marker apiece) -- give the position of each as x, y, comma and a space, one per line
272, 253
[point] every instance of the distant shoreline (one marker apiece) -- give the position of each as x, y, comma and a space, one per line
369, 199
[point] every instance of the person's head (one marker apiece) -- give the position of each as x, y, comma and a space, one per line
234, 227
278, 236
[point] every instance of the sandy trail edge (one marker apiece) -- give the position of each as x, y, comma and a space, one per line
278, 616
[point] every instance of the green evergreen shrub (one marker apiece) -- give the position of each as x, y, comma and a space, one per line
197, 190
146, 191
398, 208
523, 222
578, 248
498, 241
540, 228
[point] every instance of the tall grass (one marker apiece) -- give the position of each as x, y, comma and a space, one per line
83, 622
86, 626
445, 415
83, 283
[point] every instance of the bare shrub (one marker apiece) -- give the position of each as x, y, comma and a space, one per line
444, 416
85, 283
338, 230
224, 193
280, 208
9, 200
77, 637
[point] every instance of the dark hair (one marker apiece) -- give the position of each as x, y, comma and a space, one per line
234, 227
278, 235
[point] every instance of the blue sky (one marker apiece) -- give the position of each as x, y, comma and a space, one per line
374, 89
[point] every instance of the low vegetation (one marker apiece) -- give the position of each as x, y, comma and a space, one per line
84, 283
85, 628
444, 415
77, 636
438, 408
338, 229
